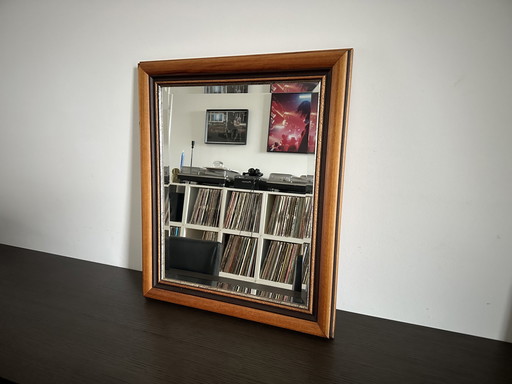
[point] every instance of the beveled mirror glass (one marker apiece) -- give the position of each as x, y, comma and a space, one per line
242, 162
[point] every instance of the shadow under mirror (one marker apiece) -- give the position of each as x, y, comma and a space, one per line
238, 163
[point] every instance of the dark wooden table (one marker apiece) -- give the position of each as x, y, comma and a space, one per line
64, 320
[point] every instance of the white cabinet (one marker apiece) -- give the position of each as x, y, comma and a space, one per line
262, 232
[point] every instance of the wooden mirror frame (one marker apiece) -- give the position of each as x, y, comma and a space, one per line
335, 68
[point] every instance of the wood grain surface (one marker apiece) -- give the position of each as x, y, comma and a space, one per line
64, 320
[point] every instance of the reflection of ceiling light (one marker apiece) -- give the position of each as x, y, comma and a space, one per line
278, 126
304, 96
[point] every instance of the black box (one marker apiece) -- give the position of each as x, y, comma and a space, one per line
246, 182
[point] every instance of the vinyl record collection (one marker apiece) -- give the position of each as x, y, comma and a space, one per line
206, 207
239, 255
279, 262
167, 205
234, 287
291, 216
306, 262
274, 296
243, 212
209, 235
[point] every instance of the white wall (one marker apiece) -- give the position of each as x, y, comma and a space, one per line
427, 213
188, 123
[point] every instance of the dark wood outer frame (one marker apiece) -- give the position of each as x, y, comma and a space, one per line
337, 63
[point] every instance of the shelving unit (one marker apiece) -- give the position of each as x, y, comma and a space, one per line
262, 231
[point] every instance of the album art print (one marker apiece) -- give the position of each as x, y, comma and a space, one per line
293, 122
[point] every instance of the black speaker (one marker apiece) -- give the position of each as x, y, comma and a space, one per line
297, 279
176, 201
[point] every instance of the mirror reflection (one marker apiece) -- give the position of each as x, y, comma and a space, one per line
237, 187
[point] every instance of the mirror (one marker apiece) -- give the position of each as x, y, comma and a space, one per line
242, 163
255, 222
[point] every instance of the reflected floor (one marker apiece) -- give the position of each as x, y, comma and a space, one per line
243, 288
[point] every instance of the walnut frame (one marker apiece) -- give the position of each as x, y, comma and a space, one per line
335, 67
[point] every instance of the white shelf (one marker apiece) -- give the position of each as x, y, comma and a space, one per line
200, 227
287, 239
190, 195
237, 277
237, 232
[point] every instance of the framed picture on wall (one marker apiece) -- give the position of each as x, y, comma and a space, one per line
226, 126
293, 122
294, 87
231, 88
